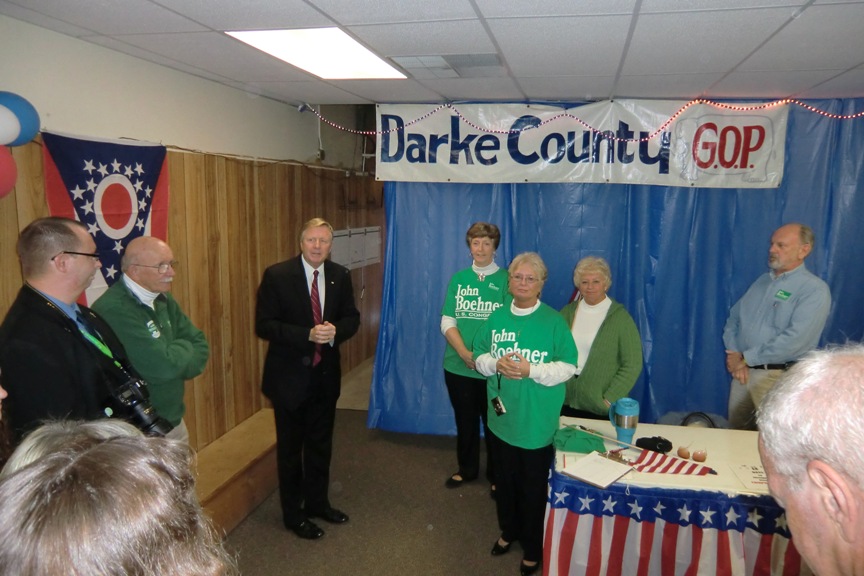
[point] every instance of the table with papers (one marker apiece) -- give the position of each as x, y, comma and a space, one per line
666, 524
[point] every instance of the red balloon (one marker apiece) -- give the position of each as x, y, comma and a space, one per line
8, 171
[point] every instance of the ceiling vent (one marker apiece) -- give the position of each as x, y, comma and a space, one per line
452, 66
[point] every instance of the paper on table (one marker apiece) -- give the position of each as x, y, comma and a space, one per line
752, 476
594, 469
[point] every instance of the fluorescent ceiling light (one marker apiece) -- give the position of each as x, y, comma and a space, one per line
328, 53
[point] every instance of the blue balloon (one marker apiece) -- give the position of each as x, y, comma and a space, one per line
27, 116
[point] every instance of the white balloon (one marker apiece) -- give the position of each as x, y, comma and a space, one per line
10, 126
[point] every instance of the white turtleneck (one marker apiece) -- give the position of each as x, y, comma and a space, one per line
484, 271
585, 326
145, 296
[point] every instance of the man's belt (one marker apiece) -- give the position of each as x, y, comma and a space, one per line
784, 366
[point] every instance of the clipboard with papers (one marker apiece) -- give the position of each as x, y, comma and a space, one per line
593, 468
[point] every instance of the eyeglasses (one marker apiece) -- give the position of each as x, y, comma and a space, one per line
94, 255
518, 279
162, 268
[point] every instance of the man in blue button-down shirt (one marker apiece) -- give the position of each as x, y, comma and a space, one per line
778, 320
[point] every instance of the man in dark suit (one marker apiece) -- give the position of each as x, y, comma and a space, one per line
60, 359
305, 309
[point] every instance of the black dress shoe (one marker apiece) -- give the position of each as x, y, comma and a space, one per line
332, 515
526, 570
307, 530
453, 482
498, 549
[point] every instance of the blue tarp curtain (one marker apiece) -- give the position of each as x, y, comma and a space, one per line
680, 257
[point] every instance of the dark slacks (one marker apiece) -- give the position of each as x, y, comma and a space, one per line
470, 408
522, 485
574, 413
304, 445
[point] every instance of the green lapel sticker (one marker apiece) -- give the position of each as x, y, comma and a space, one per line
782, 295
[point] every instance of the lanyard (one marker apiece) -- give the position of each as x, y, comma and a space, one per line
96, 341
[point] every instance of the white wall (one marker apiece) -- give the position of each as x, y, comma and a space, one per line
85, 90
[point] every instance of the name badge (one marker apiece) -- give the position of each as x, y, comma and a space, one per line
782, 295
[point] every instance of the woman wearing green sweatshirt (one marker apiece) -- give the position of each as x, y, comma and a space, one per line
610, 350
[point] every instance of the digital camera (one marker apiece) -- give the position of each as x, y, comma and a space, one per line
131, 401
498, 406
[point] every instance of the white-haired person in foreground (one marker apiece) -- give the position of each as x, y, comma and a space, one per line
110, 506
811, 435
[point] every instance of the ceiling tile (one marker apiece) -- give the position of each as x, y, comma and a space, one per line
110, 17
25, 14
546, 50
590, 46
523, 9
652, 6
219, 53
352, 12
311, 92
125, 48
568, 88
698, 42
422, 39
250, 14
847, 85
389, 90
774, 84
491, 89
665, 86
824, 36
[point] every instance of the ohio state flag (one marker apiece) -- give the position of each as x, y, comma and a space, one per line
117, 188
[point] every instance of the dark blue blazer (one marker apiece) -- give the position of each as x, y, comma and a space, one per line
283, 317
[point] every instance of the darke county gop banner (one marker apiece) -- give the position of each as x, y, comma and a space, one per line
117, 188
657, 142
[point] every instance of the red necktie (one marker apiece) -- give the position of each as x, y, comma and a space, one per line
316, 314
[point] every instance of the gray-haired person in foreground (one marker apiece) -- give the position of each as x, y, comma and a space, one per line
101, 498
811, 434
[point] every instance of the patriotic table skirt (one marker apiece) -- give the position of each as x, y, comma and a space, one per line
625, 529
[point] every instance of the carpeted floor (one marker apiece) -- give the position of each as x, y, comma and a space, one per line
403, 519
356, 386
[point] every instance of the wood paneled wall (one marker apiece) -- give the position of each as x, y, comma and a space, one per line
229, 219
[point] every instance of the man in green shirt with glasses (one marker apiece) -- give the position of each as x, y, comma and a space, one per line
163, 344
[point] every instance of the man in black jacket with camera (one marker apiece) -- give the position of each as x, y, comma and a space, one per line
59, 359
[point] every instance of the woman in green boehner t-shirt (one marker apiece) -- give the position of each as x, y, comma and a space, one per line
527, 353
472, 295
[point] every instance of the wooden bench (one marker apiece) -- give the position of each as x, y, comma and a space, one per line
238, 471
